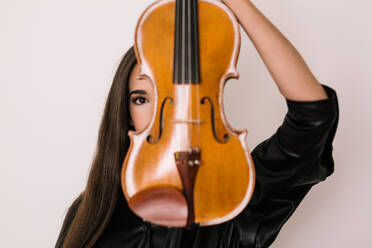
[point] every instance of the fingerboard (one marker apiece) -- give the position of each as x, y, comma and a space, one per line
186, 66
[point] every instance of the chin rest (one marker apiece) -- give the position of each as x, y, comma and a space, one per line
161, 205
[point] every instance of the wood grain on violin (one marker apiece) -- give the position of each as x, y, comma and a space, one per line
189, 165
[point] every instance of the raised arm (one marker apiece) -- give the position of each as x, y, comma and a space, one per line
288, 69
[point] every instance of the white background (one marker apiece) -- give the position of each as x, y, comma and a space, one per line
57, 62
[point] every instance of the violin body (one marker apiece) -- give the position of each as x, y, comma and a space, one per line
189, 165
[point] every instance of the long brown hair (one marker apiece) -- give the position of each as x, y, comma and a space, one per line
90, 212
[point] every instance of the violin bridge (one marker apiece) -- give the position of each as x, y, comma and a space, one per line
191, 121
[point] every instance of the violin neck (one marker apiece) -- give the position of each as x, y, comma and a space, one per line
186, 66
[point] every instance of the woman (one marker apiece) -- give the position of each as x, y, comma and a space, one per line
287, 164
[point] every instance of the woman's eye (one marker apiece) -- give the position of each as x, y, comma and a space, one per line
139, 100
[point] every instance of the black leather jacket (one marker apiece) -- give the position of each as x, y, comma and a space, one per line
287, 165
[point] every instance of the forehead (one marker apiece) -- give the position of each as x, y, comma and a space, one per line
136, 83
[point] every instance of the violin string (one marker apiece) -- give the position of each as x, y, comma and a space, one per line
189, 65
183, 55
196, 37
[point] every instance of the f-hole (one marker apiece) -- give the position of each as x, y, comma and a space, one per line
226, 137
150, 138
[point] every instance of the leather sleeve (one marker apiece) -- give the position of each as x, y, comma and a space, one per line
287, 165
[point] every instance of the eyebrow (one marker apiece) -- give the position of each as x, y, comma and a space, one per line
138, 92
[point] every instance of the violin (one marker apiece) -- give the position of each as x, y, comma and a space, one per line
188, 166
